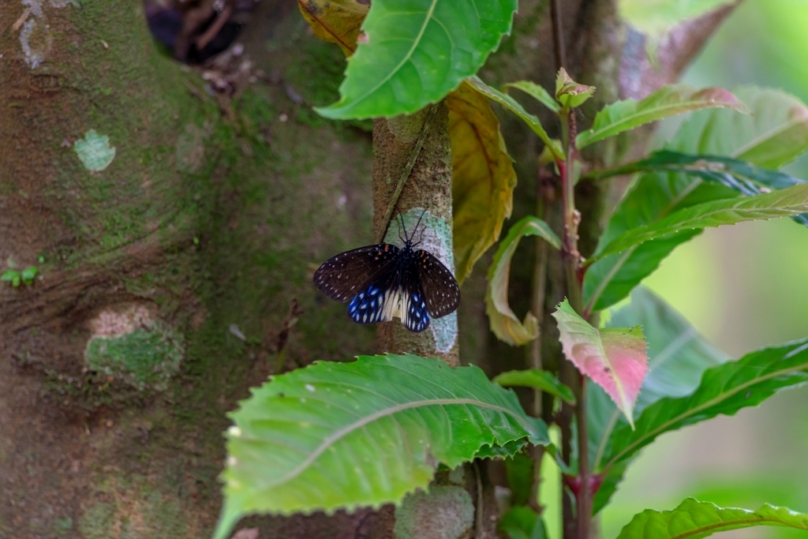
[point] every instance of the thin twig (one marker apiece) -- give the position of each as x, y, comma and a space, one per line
480, 521
537, 297
16, 26
405, 174
558, 36
221, 19
534, 351
567, 373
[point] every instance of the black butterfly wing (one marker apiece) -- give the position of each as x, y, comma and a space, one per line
342, 277
441, 292
395, 294
417, 318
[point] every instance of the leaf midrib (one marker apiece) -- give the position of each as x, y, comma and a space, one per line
712, 402
593, 135
735, 522
687, 225
344, 431
663, 214
618, 383
406, 58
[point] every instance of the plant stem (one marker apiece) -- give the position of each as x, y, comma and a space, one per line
534, 351
571, 259
537, 296
572, 265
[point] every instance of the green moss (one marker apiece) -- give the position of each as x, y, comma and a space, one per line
142, 108
62, 527
316, 79
145, 358
138, 511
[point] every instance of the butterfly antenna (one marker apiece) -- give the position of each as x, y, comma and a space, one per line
422, 235
414, 230
401, 228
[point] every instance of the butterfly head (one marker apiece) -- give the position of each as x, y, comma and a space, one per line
408, 240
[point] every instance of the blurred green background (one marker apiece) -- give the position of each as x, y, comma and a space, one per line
743, 287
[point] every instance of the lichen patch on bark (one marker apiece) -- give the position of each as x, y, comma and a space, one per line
134, 347
36, 42
94, 151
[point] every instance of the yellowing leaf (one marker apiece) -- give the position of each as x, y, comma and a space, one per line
503, 321
337, 21
614, 358
482, 178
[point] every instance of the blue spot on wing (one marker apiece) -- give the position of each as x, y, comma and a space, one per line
417, 314
367, 306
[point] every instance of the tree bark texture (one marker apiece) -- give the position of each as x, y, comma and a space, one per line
191, 252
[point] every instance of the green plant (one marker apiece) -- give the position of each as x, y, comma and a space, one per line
16, 278
369, 432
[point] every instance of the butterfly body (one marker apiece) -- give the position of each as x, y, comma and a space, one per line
382, 282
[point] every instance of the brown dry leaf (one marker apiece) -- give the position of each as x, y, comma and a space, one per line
483, 176
337, 21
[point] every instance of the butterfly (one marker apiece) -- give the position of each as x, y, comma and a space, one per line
383, 282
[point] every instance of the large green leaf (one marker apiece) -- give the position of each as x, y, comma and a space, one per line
504, 323
744, 177
613, 277
667, 101
343, 435
677, 354
694, 519
416, 52
724, 389
677, 358
512, 105
776, 132
786, 203
738, 175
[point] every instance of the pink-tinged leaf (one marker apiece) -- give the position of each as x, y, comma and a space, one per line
614, 358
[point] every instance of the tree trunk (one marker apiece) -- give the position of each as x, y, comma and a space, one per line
427, 190
175, 273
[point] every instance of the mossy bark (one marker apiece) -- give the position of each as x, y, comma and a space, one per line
204, 225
